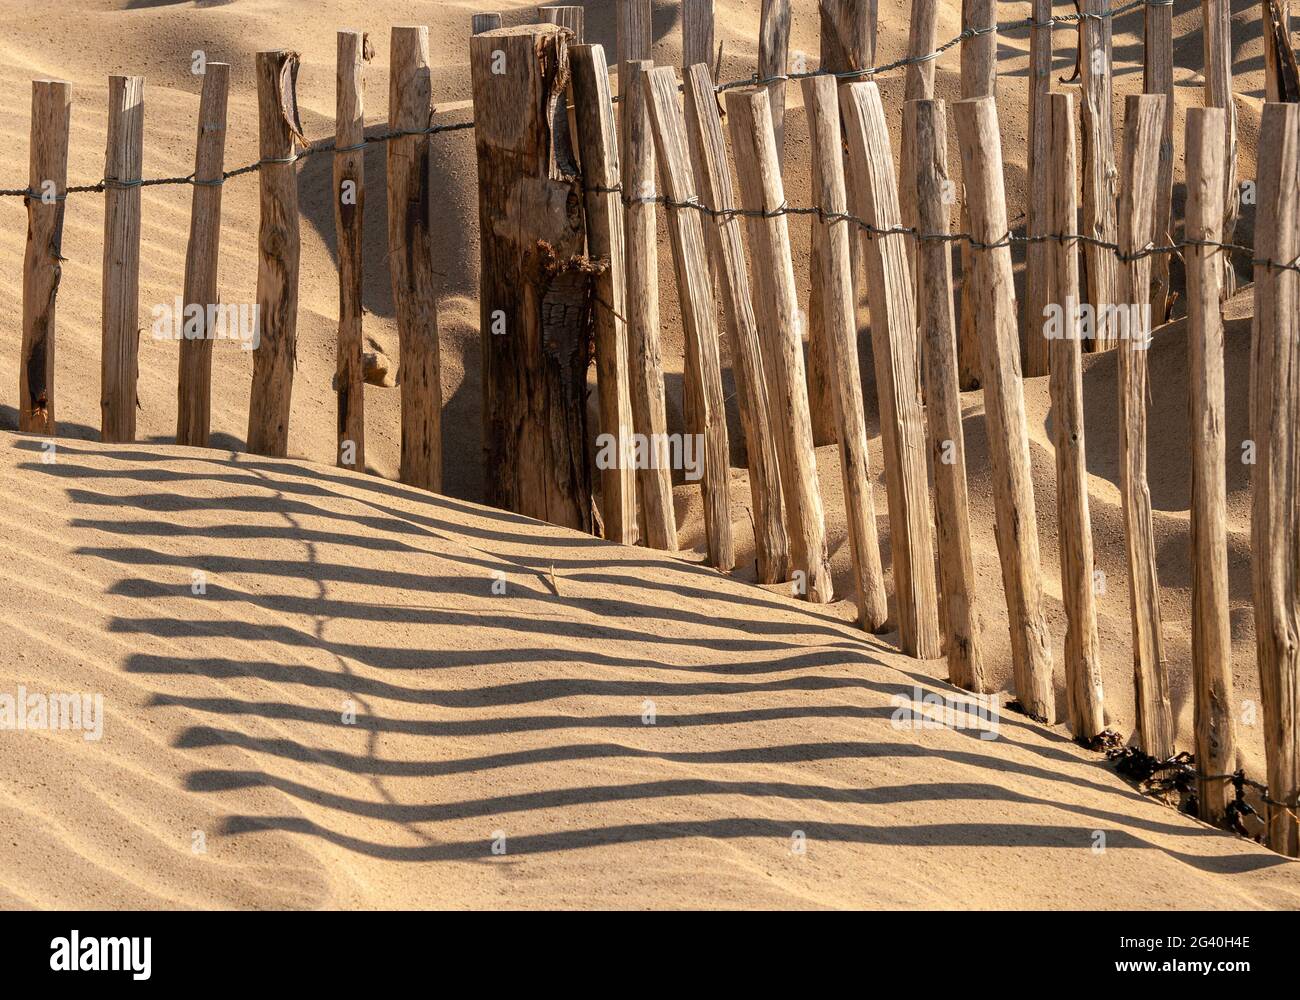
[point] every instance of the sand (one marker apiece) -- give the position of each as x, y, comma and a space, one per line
521, 714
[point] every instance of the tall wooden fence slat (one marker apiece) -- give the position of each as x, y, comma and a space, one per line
598, 144
566, 16
821, 100
918, 85
1216, 16
410, 263
349, 225
774, 61
194, 381
698, 34
699, 312
119, 359
936, 327
1038, 264
1216, 750
1143, 123
754, 150
893, 347
848, 42
727, 257
979, 78
1275, 431
1099, 170
641, 262
47, 185
271, 395
1083, 683
994, 305
1158, 78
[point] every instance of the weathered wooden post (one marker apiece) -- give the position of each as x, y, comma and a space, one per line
918, 85
1275, 430
47, 186
410, 262
697, 34
927, 122
727, 258
194, 381
1099, 171
774, 61
634, 28
1216, 17
1038, 256
278, 246
1143, 122
488, 21
1158, 78
848, 42
841, 332
994, 302
1216, 749
349, 219
1083, 683
979, 78
699, 313
566, 16
898, 388
537, 288
641, 262
754, 150
119, 359
598, 144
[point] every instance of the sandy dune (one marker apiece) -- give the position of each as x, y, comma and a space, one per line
520, 713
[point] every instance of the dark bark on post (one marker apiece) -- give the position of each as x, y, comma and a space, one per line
537, 288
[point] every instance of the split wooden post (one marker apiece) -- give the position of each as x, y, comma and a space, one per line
1217, 35
479, 23
1083, 683
893, 346
1280, 83
598, 142
1275, 430
936, 329
1099, 171
410, 263
727, 257
535, 291
641, 263
699, 312
774, 61
353, 51
832, 239
979, 78
994, 301
1143, 122
278, 245
194, 381
759, 172
698, 34
566, 16
1038, 256
119, 360
1216, 744
848, 42
47, 187
1158, 78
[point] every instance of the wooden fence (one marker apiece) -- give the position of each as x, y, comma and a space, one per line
582, 174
